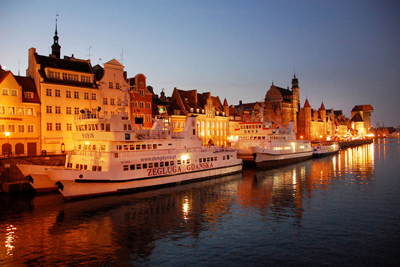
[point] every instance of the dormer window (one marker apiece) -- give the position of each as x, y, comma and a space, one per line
28, 95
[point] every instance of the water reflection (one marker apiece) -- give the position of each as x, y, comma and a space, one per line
130, 229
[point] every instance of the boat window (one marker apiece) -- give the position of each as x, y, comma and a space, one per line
200, 159
103, 147
159, 144
137, 147
130, 127
161, 164
107, 127
102, 126
223, 157
126, 167
143, 146
166, 164
150, 165
144, 165
99, 168
148, 146
94, 168
154, 146
170, 144
119, 147
188, 161
215, 158
138, 166
178, 162
131, 147
86, 147
80, 166
97, 126
155, 164
125, 127
132, 167
171, 163
77, 166
79, 146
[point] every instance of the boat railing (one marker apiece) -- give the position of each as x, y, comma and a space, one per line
151, 134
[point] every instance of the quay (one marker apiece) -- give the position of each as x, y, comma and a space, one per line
12, 180
358, 142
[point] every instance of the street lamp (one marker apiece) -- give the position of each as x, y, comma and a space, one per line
7, 134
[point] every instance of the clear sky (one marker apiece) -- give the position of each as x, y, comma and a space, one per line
344, 53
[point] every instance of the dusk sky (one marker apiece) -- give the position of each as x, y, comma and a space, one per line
344, 53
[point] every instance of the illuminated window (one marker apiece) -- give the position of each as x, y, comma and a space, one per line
11, 110
29, 111
21, 111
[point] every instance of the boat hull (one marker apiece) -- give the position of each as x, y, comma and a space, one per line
87, 188
38, 178
265, 160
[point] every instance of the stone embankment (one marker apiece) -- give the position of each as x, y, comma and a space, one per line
359, 142
12, 180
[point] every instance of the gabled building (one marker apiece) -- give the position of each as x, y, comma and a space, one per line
211, 118
19, 115
142, 99
112, 83
361, 123
66, 86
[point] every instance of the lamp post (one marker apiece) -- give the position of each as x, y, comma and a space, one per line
7, 134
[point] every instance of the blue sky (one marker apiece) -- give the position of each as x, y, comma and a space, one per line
345, 53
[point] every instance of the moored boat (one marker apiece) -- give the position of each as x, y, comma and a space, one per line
110, 156
321, 149
280, 148
37, 177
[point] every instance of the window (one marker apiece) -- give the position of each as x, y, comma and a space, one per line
116, 85
31, 128
14, 92
2, 109
21, 128
11, 128
4, 91
57, 93
112, 102
94, 96
49, 109
11, 110
141, 104
85, 78
68, 94
104, 101
134, 104
86, 96
76, 111
21, 111
110, 85
58, 110
29, 111
148, 106
76, 94
48, 92
28, 95
141, 92
54, 74
68, 110
49, 126
2, 128
58, 126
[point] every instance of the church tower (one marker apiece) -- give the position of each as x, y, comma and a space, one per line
296, 93
55, 48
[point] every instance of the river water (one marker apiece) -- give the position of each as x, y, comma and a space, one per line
341, 210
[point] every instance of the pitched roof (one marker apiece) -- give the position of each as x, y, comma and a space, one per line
357, 118
28, 85
322, 106
306, 104
363, 108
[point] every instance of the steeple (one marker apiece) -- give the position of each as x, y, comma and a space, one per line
56, 48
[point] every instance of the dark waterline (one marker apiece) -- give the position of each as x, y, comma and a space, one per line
340, 210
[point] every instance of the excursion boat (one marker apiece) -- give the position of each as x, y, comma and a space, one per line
280, 148
321, 149
110, 156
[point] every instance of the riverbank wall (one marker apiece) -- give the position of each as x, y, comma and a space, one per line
11, 178
344, 144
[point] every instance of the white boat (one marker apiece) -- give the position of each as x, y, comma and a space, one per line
110, 156
37, 177
279, 148
321, 149
250, 134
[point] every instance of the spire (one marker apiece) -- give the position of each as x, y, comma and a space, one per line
306, 104
56, 48
322, 106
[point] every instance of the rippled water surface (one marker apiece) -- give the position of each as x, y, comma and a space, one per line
340, 210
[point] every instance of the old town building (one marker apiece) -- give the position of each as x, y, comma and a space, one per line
66, 86
19, 115
361, 118
112, 82
142, 100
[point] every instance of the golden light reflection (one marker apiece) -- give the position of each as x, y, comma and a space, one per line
10, 240
185, 208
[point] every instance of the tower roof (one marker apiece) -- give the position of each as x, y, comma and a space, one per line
322, 106
306, 104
